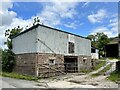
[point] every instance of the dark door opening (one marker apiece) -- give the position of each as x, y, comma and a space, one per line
71, 64
112, 50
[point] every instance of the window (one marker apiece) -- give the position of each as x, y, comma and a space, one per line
93, 50
84, 60
71, 47
51, 61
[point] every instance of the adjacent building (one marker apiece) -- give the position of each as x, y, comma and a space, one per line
45, 51
112, 48
94, 53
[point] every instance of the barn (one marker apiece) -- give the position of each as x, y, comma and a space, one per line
45, 51
112, 48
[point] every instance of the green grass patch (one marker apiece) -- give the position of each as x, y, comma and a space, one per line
85, 70
114, 76
100, 64
102, 72
18, 76
112, 58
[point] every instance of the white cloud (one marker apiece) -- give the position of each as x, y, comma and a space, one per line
54, 12
71, 25
6, 16
112, 32
86, 4
97, 17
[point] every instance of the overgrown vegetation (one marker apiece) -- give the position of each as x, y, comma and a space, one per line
85, 70
99, 65
114, 76
99, 40
8, 57
18, 76
8, 60
102, 72
1, 59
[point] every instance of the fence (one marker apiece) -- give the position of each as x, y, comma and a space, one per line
48, 70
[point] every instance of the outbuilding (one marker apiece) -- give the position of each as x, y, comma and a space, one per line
45, 51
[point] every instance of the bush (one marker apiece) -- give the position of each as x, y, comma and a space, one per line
8, 60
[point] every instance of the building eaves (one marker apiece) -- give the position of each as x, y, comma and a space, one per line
35, 26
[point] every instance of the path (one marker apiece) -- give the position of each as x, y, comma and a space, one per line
83, 81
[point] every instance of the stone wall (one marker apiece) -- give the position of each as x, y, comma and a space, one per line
25, 64
38, 64
45, 69
84, 62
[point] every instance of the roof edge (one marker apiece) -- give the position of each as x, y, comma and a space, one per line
35, 26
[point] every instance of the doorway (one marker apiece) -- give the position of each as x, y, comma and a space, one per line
71, 64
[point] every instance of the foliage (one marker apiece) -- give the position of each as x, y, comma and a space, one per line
10, 33
18, 76
8, 57
114, 76
102, 72
99, 40
1, 52
99, 65
36, 21
85, 70
8, 60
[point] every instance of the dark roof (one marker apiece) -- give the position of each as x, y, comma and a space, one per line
113, 41
35, 26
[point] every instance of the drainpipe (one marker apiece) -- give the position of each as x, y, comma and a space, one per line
37, 54
37, 64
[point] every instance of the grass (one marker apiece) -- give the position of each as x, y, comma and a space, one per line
114, 76
101, 63
18, 76
102, 72
85, 70
110, 58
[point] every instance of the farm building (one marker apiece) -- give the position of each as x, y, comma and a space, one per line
45, 51
94, 53
112, 48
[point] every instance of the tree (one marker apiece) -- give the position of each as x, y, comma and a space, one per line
1, 52
8, 57
8, 60
93, 39
1, 58
36, 21
99, 40
10, 33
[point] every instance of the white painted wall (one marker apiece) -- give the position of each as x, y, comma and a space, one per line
58, 42
25, 43
46, 40
95, 55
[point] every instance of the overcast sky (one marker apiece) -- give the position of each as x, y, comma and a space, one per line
81, 18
